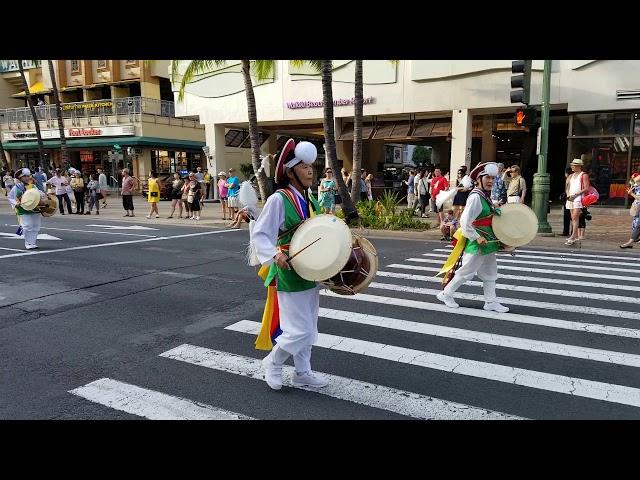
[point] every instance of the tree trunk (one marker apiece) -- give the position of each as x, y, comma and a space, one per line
36, 122
357, 134
351, 214
56, 98
3, 156
253, 131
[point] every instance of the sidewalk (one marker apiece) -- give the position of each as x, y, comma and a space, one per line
604, 233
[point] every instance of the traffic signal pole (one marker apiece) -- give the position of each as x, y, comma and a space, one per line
541, 183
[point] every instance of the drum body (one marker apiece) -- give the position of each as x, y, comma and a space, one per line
30, 199
360, 270
50, 206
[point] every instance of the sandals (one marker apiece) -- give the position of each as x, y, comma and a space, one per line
625, 246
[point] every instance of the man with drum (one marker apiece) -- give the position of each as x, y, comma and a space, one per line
480, 246
25, 206
298, 300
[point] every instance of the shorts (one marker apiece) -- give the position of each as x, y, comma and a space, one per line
233, 202
223, 199
572, 205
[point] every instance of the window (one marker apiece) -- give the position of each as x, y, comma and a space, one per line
102, 64
131, 63
75, 66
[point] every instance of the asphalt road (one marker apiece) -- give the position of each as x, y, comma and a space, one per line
114, 322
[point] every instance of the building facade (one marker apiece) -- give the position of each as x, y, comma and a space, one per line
460, 110
116, 114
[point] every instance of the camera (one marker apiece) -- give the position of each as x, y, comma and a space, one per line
586, 214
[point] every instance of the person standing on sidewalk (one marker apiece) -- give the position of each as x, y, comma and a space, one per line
128, 184
517, 189
634, 191
222, 192
40, 178
193, 196
93, 190
207, 183
410, 190
60, 183
176, 195
153, 196
102, 182
438, 183
577, 186
479, 244
77, 184
566, 213
233, 189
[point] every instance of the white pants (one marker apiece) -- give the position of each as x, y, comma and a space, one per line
31, 227
485, 266
410, 199
299, 325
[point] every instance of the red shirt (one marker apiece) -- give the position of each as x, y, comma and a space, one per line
438, 184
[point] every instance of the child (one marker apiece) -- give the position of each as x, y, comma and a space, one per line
449, 226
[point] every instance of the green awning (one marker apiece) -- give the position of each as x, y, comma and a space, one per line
108, 142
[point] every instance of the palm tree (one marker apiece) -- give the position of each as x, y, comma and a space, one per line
326, 67
56, 99
357, 133
36, 122
262, 69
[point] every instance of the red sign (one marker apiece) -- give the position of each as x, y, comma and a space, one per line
84, 132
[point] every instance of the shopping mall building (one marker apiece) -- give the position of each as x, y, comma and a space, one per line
459, 110
116, 114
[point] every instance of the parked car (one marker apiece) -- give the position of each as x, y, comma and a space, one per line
165, 187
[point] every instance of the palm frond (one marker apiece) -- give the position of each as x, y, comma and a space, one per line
195, 67
263, 69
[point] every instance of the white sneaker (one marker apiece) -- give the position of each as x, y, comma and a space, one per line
30, 246
197, 218
272, 373
447, 300
309, 379
495, 307
192, 218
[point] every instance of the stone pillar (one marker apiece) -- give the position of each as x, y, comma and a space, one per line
214, 134
488, 153
461, 130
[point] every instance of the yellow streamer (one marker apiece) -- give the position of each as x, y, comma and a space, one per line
456, 252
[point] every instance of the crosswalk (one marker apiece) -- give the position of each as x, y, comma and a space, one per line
568, 348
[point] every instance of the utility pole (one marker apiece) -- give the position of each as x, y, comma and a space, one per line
541, 183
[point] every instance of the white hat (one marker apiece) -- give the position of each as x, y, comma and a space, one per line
577, 161
23, 172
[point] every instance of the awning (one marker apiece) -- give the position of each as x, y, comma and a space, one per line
391, 130
34, 89
347, 132
165, 143
431, 129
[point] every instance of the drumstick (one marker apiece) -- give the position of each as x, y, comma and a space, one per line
302, 250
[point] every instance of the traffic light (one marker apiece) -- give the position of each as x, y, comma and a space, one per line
526, 117
521, 81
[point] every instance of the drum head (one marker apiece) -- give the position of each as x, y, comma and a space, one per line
30, 199
328, 254
516, 225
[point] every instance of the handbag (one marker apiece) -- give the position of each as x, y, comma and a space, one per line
153, 194
190, 197
338, 199
635, 209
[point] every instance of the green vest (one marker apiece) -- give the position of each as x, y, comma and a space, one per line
472, 246
289, 280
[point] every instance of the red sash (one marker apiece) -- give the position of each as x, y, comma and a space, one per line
483, 222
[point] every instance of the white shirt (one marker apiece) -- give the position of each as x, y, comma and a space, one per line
575, 185
269, 223
57, 182
470, 213
102, 181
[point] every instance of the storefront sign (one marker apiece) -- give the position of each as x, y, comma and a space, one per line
319, 104
86, 105
51, 134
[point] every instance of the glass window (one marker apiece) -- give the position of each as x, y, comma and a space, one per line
601, 123
75, 66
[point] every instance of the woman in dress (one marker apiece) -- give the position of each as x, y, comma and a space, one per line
153, 197
634, 191
328, 190
460, 200
193, 196
176, 195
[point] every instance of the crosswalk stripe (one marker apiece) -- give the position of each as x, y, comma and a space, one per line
552, 348
505, 317
555, 281
538, 270
149, 403
603, 312
568, 254
519, 288
460, 366
377, 396
519, 254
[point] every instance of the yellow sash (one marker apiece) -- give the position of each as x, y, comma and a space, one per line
455, 253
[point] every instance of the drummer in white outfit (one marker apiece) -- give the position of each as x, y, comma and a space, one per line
298, 300
30, 220
578, 186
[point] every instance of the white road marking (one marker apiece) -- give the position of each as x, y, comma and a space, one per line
370, 394
483, 314
149, 403
555, 281
561, 307
97, 231
529, 262
100, 245
550, 382
41, 236
12, 249
519, 254
122, 227
552, 348
571, 273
